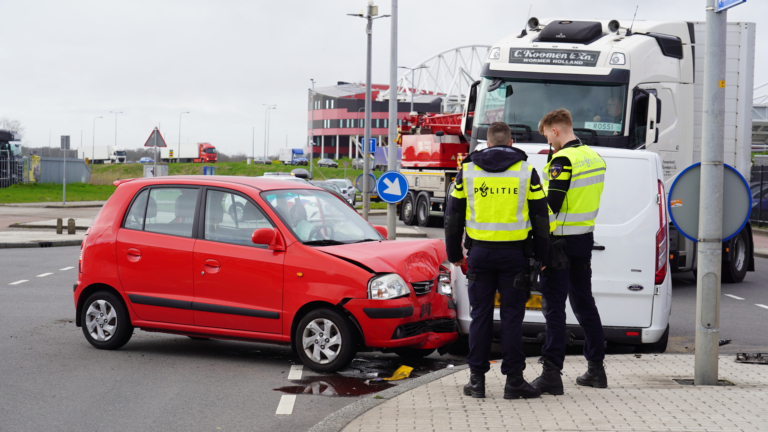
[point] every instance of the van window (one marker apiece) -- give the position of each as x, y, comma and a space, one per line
231, 218
171, 211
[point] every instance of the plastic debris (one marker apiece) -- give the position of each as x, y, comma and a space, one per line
402, 372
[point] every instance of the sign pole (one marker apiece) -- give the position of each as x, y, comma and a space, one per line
392, 145
709, 257
154, 171
366, 162
64, 145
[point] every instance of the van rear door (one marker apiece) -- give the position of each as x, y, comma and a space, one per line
623, 257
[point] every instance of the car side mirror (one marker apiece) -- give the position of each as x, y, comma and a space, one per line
263, 236
382, 230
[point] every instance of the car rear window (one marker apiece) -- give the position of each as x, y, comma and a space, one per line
164, 210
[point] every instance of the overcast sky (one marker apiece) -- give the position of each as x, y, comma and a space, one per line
68, 61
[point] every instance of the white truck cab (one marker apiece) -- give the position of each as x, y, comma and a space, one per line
631, 281
638, 89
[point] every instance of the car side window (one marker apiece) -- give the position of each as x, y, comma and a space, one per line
135, 217
231, 218
171, 211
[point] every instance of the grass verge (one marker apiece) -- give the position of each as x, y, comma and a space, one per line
52, 192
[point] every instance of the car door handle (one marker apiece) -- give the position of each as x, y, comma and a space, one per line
133, 254
212, 266
597, 247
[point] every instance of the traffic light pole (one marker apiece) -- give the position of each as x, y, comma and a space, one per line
392, 145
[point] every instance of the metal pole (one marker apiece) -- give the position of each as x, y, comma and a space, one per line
710, 245
413, 87
366, 153
64, 142
392, 145
178, 156
154, 159
312, 131
253, 145
93, 147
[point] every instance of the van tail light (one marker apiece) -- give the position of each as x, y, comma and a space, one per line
661, 238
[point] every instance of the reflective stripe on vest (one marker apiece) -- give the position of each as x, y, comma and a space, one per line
491, 231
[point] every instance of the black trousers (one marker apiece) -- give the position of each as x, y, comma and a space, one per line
576, 285
495, 270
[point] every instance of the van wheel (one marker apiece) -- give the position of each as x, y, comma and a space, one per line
324, 341
408, 209
657, 347
106, 324
413, 353
735, 269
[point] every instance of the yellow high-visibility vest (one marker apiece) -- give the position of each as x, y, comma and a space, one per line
582, 200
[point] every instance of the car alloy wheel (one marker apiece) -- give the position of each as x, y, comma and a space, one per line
101, 320
322, 341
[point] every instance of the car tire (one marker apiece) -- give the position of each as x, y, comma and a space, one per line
408, 209
320, 358
197, 338
413, 353
656, 347
106, 323
735, 269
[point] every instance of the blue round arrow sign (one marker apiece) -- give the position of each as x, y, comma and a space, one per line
392, 187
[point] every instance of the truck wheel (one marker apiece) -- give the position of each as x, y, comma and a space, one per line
408, 209
422, 211
735, 269
657, 347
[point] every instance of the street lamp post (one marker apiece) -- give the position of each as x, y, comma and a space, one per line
266, 128
115, 113
371, 12
93, 147
413, 85
312, 131
179, 149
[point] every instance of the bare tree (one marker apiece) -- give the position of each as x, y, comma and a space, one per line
12, 125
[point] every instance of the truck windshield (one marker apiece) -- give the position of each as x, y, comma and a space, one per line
596, 108
120, 153
210, 150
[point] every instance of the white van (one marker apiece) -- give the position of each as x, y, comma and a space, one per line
631, 281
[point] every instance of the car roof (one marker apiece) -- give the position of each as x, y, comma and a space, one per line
260, 183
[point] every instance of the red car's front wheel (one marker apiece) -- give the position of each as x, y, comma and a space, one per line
324, 341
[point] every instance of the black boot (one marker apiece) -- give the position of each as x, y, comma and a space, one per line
549, 381
476, 386
517, 387
595, 376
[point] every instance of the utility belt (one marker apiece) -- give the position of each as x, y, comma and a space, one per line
499, 245
526, 280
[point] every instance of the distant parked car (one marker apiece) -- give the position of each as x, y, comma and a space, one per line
347, 189
262, 160
300, 161
146, 160
358, 163
328, 163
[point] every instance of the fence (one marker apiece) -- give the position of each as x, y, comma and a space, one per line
11, 169
51, 169
758, 184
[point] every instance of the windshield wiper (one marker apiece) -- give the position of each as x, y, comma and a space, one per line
324, 242
365, 240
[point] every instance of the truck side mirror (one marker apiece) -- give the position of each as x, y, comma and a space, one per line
651, 121
467, 119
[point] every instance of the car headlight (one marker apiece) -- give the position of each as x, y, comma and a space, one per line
444, 282
618, 59
388, 286
494, 54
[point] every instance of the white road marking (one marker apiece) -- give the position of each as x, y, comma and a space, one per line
44, 274
733, 296
285, 406
295, 373
18, 282
66, 268
761, 305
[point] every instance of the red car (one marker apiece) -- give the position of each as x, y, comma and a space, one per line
257, 259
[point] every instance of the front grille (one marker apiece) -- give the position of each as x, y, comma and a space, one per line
443, 325
421, 288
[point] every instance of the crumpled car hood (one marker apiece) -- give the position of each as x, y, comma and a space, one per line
414, 261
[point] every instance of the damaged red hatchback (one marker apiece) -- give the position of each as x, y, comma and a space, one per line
262, 260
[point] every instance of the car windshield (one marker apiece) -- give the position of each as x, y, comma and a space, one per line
522, 104
319, 218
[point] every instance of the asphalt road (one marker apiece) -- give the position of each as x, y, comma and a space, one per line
52, 379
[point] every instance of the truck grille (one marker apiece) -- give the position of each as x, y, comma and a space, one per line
421, 288
443, 325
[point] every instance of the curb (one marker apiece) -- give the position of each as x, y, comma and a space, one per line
75, 206
761, 253
420, 234
761, 232
41, 244
341, 418
64, 225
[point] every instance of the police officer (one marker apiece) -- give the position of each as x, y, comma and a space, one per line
498, 199
574, 182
